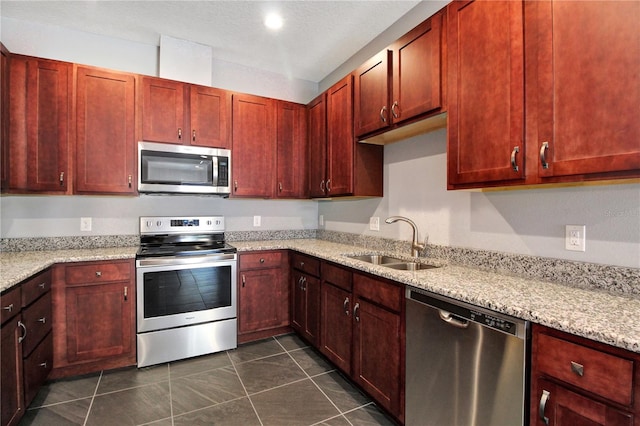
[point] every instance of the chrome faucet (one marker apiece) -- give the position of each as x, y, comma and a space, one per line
416, 247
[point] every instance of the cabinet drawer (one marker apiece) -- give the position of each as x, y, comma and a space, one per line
37, 320
98, 272
337, 276
592, 370
36, 287
378, 291
10, 303
307, 264
261, 260
36, 368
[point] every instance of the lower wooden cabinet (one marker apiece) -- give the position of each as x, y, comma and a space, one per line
305, 297
94, 316
576, 381
12, 401
263, 295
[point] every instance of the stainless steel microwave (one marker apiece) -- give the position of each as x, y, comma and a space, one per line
183, 169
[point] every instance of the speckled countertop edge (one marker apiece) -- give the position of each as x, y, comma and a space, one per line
598, 315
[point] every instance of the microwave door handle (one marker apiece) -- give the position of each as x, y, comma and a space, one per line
215, 170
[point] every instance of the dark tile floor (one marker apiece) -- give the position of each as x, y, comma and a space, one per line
278, 381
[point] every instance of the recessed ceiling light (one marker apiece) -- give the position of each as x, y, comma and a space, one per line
273, 21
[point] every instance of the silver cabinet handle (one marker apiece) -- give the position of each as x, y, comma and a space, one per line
383, 115
304, 283
42, 320
577, 368
514, 165
193, 135
129, 180
244, 280
322, 185
328, 187
262, 260
8, 308
24, 328
355, 312
43, 364
126, 293
235, 185
280, 186
98, 273
61, 178
543, 155
42, 285
394, 109
345, 306
300, 282
179, 133
302, 264
543, 405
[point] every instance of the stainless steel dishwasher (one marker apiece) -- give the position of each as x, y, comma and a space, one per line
465, 365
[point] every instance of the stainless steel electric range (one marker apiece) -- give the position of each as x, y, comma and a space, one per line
186, 289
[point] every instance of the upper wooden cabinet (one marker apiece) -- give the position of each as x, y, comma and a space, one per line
317, 143
403, 82
291, 155
187, 114
105, 132
542, 92
254, 146
39, 117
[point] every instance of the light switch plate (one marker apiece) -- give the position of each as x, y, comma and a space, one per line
575, 239
374, 223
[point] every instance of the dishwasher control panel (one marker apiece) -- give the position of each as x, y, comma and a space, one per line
493, 322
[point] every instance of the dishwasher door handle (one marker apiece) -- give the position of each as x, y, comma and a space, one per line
450, 319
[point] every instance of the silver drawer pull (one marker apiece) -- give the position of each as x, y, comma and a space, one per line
98, 273
577, 368
355, 312
8, 308
24, 328
42, 320
345, 306
543, 155
44, 364
42, 285
514, 164
543, 404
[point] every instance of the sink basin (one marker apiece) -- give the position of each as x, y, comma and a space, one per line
377, 259
411, 266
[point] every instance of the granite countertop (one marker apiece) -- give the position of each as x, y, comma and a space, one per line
595, 314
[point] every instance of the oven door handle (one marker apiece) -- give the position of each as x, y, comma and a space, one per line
184, 260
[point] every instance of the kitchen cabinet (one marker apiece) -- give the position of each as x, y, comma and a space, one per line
305, 300
578, 381
254, 146
4, 118
39, 121
291, 155
186, 114
87, 339
263, 289
336, 326
378, 341
105, 132
532, 100
401, 82
12, 394
351, 169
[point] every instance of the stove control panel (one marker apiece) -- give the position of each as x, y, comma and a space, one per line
180, 225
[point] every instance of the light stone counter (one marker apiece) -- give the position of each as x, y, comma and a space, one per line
595, 314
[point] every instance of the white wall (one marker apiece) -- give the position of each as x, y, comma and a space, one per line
516, 221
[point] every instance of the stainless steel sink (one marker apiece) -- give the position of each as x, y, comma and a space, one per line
411, 266
393, 262
376, 259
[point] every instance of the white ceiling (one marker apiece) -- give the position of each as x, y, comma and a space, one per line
317, 37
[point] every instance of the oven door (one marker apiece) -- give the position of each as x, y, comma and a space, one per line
185, 290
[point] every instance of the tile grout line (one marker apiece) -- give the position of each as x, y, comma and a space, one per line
316, 385
245, 389
95, 392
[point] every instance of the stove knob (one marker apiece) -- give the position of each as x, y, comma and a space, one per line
149, 223
159, 224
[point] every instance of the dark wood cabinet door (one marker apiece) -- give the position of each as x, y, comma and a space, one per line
312, 310
254, 146
39, 116
485, 92
105, 132
562, 407
12, 398
340, 139
317, 140
263, 300
298, 302
417, 71
377, 352
4, 118
164, 118
210, 115
291, 170
371, 94
588, 99
99, 333
335, 326
37, 367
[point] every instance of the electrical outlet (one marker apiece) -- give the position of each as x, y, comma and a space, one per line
374, 223
257, 220
321, 220
85, 224
575, 238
